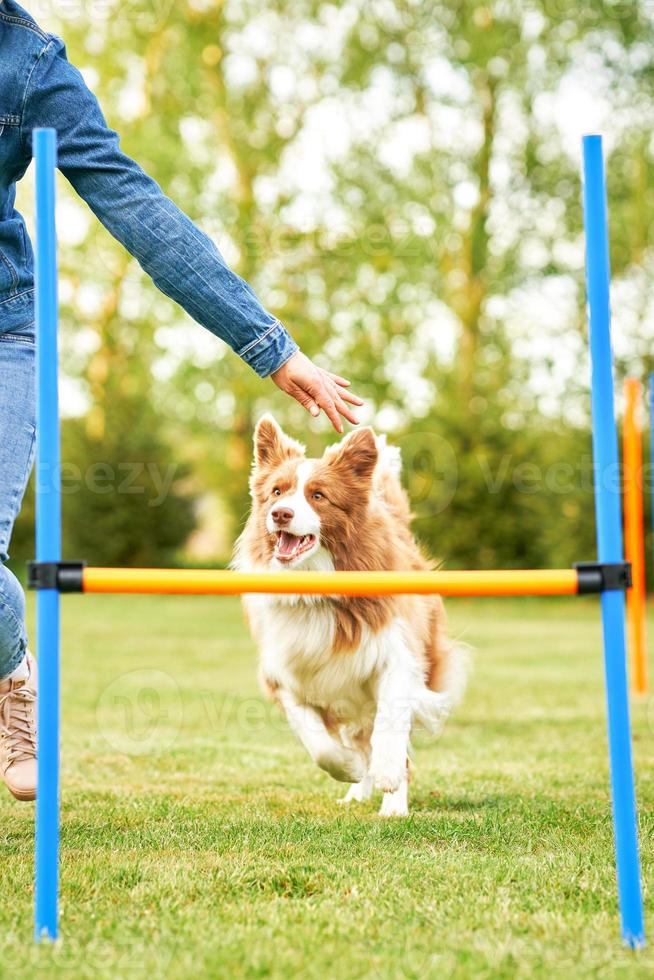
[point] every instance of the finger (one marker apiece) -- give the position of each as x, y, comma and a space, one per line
349, 396
345, 412
338, 379
326, 402
304, 398
335, 379
339, 402
340, 396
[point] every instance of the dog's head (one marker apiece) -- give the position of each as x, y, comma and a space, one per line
304, 509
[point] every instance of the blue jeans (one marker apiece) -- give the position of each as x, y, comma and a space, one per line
17, 407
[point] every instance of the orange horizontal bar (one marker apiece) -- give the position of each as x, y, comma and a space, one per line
184, 581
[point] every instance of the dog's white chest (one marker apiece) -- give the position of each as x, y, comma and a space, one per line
296, 640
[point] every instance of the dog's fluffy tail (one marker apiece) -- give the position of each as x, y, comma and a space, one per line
388, 483
454, 658
434, 707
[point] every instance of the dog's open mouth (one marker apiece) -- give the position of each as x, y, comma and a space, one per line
289, 546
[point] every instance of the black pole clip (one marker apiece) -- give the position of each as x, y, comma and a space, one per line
64, 576
595, 576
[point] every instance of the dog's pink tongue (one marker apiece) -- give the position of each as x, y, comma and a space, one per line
287, 543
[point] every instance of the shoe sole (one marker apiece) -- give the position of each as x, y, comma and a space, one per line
26, 796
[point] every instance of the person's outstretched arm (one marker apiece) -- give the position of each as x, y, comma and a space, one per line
182, 261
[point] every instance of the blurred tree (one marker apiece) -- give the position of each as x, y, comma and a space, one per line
129, 501
126, 499
394, 179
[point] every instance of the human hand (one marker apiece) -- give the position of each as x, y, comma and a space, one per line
315, 388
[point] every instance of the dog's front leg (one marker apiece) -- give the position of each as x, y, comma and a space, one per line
344, 764
392, 729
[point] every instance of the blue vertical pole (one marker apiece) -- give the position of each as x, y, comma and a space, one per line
48, 539
609, 543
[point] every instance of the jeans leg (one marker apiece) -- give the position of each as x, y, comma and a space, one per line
17, 408
13, 637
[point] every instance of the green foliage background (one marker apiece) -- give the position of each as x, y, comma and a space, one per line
397, 182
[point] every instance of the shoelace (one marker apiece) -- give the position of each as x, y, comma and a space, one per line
16, 725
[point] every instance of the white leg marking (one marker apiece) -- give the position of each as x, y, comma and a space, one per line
358, 792
328, 753
396, 804
392, 728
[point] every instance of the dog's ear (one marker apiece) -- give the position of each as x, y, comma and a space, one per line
356, 455
271, 445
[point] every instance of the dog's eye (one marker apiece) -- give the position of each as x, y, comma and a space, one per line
317, 495
277, 492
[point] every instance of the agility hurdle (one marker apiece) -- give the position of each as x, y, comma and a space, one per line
609, 576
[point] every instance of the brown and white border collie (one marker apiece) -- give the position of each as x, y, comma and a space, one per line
354, 675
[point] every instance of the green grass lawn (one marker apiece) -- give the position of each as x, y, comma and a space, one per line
199, 841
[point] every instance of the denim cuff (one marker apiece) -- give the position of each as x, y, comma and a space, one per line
267, 353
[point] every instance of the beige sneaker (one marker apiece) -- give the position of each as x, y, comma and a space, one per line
18, 734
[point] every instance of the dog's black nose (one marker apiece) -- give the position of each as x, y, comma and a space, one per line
282, 515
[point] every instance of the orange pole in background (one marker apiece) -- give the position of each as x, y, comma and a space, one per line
633, 531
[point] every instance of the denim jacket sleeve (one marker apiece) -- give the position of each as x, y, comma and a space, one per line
182, 261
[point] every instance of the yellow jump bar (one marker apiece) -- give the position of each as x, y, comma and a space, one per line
206, 582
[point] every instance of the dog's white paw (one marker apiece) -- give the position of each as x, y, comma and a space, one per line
358, 792
394, 805
388, 774
343, 764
